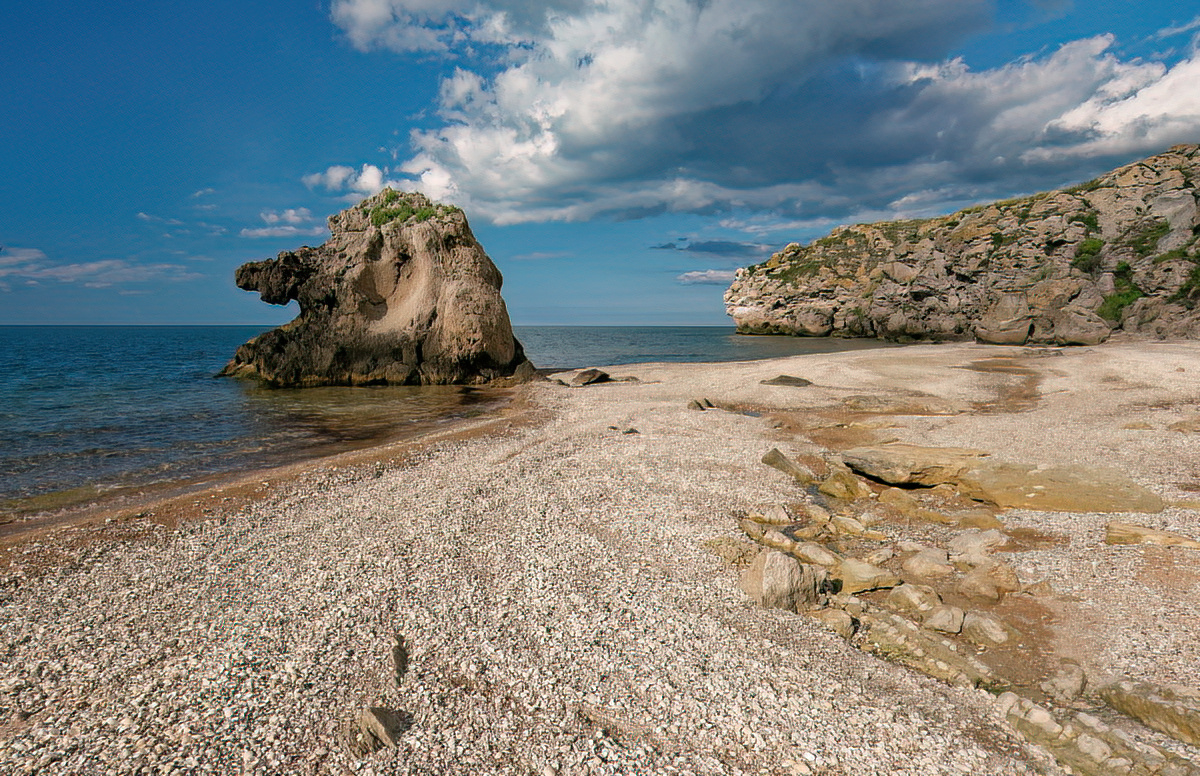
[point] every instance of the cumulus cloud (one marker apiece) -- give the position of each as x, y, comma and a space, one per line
566, 109
292, 215
354, 183
713, 277
32, 266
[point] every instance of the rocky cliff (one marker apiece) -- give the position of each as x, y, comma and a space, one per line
401, 293
1120, 252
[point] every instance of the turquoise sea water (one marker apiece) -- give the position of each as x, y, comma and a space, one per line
89, 409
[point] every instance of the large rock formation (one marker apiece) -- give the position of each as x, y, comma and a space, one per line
401, 293
1062, 267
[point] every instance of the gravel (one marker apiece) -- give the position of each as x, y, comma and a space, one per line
560, 613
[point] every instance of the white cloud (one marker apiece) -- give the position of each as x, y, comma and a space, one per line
283, 231
357, 184
566, 109
714, 277
292, 215
1181, 29
203, 192
32, 266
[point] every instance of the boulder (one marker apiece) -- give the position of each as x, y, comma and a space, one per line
1008, 321
972, 546
1066, 684
400, 293
590, 377
841, 483
857, 576
895, 638
780, 581
912, 599
986, 630
947, 619
989, 582
928, 563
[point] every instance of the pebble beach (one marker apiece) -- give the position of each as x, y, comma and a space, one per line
539, 597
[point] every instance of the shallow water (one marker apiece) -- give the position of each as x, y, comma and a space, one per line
85, 410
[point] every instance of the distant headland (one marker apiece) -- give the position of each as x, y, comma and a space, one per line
1067, 267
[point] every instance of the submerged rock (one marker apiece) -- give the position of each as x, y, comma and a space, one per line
401, 293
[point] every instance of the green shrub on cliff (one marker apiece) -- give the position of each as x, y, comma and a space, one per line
1087, 258
1126, 294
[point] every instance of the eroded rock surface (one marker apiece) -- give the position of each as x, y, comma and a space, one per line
1062, 267
401, 293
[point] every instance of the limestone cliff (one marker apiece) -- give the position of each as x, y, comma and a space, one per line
1063, 267
401, 293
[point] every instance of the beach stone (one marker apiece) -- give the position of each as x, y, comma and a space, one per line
777, 460
880, 556
1065, 684
985, 630
779, 581
928, 563
841, 483
990, 581
857, 576
1172, 710
837, 620
912, 599
811, 552
948, 619
590, 377
1128, 533
375, 728
972, 546
775, 514
789, 380
402, 302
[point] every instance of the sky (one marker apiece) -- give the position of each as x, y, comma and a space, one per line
618, 159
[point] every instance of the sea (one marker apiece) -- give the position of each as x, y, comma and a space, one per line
92, 410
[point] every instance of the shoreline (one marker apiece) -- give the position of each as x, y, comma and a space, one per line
108, 518
550, 575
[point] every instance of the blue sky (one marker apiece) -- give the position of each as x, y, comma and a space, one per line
617, 159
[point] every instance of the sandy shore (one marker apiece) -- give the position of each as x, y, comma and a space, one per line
559, 609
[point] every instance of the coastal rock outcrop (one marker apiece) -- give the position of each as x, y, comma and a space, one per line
1062, 267
401, 293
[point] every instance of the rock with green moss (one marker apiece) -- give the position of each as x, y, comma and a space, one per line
401, 293
1063, 267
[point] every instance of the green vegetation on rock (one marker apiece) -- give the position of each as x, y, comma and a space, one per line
1145, 242
1126, 294
1087, 258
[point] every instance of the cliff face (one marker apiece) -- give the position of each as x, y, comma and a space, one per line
401, 293
1062, 267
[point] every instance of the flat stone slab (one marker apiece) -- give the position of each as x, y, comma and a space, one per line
1007, 485
1171, 710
